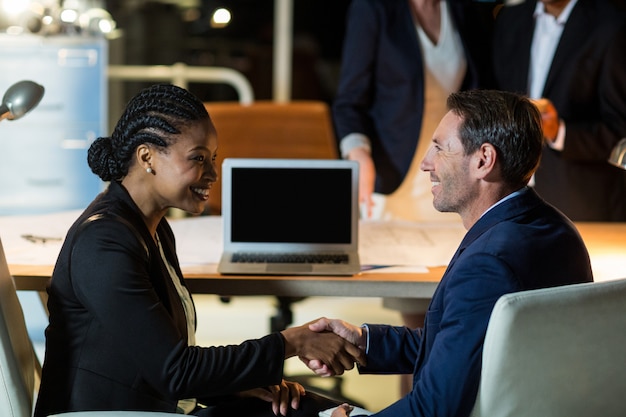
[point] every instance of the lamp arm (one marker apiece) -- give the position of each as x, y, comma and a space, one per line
4, 112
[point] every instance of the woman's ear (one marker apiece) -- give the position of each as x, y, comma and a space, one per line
143, 153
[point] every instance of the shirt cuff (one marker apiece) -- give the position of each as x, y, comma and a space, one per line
352, 141
366, 329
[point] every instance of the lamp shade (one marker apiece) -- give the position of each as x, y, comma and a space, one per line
618, 155
19, 99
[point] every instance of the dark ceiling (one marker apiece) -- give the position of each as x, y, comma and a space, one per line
161, 33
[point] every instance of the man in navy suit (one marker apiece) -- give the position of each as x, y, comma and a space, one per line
482, 156
572, 53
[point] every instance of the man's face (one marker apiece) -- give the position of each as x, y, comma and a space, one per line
452, 187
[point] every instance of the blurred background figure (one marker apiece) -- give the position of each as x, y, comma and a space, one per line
400, 61
570, 55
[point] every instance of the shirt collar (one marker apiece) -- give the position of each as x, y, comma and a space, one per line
514, 194
540, 10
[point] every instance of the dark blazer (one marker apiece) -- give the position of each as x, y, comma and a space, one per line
521, 244
381, 86
117, 338
587, 84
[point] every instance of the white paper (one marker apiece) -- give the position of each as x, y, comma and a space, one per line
414, 244
400, 246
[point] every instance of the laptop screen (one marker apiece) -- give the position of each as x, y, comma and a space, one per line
291, 205
290, 201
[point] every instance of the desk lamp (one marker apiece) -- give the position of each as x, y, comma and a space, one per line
618, 155
19, 99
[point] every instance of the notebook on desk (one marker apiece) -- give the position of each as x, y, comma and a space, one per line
290, 217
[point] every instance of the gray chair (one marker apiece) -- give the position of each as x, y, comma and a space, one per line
556, 352
19, 364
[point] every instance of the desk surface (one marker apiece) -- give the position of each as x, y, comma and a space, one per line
205, 280
606, 243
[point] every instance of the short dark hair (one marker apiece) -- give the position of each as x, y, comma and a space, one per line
509, 122
155, 115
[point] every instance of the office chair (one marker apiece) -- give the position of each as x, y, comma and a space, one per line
266, 129
556, 352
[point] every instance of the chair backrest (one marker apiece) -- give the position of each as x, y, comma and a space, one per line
17, 359
265, 129
556, 352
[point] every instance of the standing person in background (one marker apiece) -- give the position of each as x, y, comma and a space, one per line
122, 322
570, 56
401, 59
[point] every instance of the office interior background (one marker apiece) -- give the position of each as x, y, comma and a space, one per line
83, 102
42, 154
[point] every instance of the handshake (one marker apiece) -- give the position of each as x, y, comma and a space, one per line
327, 346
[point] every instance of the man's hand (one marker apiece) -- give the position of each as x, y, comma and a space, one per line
282, 396
367, 175
351, 333
336, 353
549, 118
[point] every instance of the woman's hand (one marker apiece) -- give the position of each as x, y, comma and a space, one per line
342, 411
367, 175
281, 396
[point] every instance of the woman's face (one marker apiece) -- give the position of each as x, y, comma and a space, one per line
184, 173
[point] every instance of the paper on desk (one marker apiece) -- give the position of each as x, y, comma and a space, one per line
400, 246
405, 246
393, 269
199, 240
401, 243
35, 239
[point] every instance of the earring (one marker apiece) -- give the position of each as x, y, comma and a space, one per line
149, 170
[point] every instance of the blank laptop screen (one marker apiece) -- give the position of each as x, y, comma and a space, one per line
291, 205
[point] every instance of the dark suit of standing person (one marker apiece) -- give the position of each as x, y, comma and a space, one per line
122, 322
585, 80
482, 156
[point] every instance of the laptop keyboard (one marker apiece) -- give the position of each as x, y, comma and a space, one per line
290, 258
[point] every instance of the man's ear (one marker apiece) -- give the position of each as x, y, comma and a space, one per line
485, 160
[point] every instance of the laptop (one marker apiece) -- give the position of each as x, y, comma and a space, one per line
290, 217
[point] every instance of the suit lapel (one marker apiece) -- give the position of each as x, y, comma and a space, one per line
578, 26
405, 32
525, 40
507, 210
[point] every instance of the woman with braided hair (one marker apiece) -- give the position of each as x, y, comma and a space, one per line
122, 322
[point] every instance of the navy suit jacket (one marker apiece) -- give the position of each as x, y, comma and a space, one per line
381, 86
117, 338
521, 244
587, 84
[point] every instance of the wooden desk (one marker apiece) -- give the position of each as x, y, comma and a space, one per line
205, 280
606, 243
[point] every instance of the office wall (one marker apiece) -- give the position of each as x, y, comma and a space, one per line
43, 156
